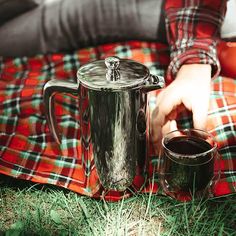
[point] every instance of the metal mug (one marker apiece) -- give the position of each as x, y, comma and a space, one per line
116, 93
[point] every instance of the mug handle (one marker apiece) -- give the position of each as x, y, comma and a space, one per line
50, 89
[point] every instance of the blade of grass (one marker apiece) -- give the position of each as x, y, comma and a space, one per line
120, 213
86, 214
186, 218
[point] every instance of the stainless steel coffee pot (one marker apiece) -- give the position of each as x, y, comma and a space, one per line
115, 91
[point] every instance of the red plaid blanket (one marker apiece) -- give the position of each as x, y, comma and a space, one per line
28, 151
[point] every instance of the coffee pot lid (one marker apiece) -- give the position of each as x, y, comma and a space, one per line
113, 74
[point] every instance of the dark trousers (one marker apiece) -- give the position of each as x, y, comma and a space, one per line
65, 25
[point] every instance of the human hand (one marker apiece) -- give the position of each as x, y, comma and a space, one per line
190, 90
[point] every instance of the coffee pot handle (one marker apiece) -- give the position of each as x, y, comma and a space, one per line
51, 88
154, 82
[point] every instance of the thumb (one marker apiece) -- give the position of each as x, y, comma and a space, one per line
200, 116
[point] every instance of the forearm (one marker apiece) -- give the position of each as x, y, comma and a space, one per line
193, 28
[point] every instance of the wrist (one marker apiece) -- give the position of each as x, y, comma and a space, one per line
202, 68
198, 72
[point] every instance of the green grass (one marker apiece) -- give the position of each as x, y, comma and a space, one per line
32, 209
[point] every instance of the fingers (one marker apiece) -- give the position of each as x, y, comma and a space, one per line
163, 118
200, 112
200, 106
167, 102
170, 125
158, 132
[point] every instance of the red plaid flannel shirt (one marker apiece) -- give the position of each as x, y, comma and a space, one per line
193, 29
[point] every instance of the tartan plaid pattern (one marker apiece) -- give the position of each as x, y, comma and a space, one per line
28, 150
193, 29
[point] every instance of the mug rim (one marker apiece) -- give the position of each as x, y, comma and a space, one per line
189, 156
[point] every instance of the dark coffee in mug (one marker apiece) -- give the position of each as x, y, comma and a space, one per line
188, 166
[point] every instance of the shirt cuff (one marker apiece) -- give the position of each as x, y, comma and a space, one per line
193, 52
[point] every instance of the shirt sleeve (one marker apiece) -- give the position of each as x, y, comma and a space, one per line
193, 29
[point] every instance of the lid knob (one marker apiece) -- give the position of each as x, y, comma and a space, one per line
112, 64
